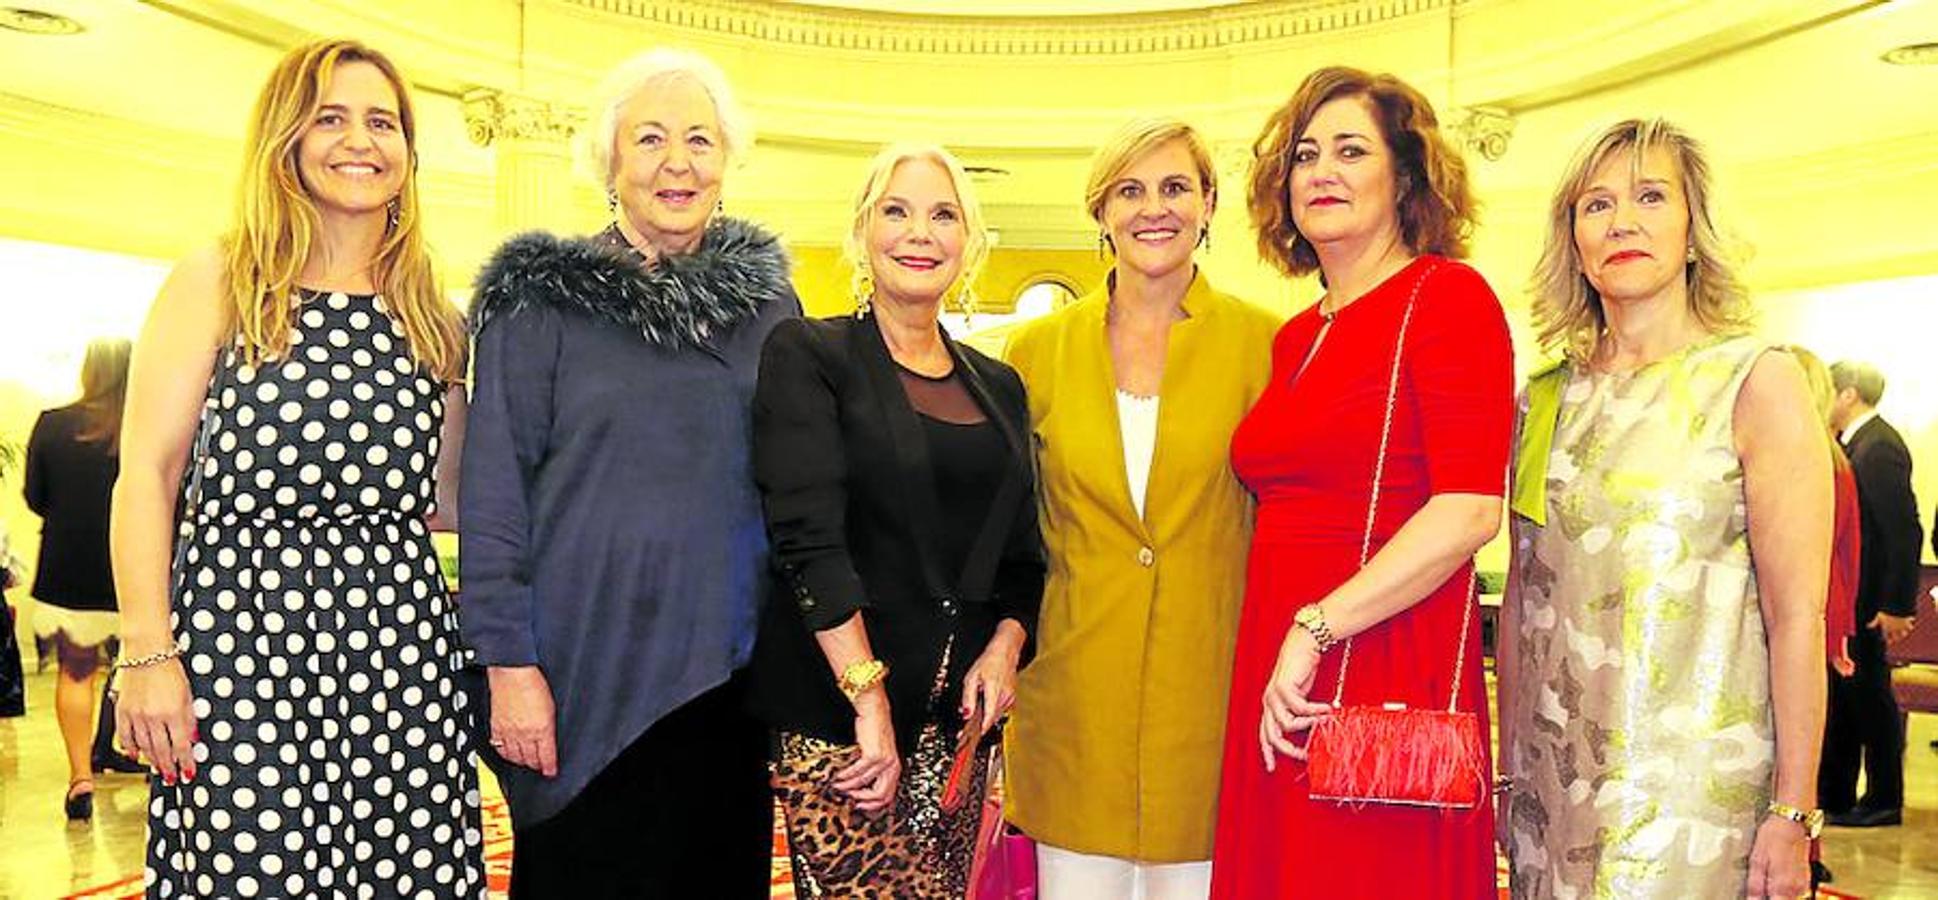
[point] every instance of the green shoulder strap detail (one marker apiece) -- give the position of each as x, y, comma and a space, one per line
1529, 493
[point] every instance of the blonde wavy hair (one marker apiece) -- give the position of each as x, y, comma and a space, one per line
974, 253
1568, 314
1816, 378
104, 390
276, 221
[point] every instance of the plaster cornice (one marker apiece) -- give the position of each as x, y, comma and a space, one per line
1060, 37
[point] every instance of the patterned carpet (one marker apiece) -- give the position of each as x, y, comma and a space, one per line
497, 851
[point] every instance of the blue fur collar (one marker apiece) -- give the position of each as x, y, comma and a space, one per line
737, 270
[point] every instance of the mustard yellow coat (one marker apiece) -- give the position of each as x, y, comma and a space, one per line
1115, 741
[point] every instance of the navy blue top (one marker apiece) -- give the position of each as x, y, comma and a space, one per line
610, 528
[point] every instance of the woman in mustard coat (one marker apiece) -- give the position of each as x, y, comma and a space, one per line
1134, 391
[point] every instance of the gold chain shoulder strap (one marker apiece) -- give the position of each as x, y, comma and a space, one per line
1372, 510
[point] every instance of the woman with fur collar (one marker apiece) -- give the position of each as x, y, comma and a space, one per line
614, 556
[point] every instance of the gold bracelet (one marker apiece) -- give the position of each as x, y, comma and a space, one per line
152, 659
1312, 618
858, 677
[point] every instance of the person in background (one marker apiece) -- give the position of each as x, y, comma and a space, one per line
1865, 729
1662, 636
894, 467
1353, 179
72, 458
1840, 608
13, 679
1113, 769
614, 559
290, 657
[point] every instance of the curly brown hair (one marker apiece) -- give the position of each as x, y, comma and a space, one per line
1437, 220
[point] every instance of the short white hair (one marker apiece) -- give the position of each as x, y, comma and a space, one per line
646, 70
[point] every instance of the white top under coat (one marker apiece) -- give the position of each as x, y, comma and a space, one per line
1137, 420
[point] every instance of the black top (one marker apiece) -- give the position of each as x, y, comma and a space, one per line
1889, 536
867, 501
970, 462
69, 483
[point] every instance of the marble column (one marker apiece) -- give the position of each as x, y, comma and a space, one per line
532, 142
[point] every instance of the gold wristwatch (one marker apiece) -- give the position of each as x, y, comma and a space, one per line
1812, 821
1312, 618
858, 677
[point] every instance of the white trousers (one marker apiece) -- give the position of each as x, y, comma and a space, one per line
1069, 875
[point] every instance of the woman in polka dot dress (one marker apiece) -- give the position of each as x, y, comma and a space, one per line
291, 672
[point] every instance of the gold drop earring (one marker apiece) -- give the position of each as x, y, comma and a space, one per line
864, 295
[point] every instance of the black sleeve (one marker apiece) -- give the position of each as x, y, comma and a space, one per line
801, 466
1884, 485
39, 444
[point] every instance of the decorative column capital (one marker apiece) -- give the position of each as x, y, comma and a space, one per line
491, 115
1484, 130
1233, 159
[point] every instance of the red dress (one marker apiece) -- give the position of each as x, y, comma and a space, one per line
1307, 451
1840, 608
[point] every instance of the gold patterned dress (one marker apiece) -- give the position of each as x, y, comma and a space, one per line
1643, 742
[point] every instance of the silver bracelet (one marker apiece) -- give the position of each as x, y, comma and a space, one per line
152, 659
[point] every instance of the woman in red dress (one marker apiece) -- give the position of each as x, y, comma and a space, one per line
1352, 179
1846, 546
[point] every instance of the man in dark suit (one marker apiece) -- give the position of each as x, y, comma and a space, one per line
1863, 728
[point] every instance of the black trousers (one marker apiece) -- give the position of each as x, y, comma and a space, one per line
685, 811
1863, 730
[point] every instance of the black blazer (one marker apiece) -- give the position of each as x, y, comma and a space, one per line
1890, 538
68, 484
844, 472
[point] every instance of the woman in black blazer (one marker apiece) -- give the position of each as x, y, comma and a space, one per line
900, 504
72, 460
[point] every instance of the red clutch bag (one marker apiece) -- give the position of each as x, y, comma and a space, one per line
1389, 754
1408, 757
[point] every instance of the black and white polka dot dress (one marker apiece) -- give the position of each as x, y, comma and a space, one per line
335, 754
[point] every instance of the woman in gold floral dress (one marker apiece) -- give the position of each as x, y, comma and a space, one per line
1661, 684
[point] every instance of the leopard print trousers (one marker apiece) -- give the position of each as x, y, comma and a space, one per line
912, 851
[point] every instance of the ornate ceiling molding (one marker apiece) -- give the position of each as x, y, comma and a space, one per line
1483, 130
1064, 36
492, 115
